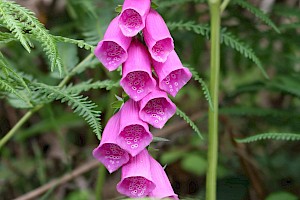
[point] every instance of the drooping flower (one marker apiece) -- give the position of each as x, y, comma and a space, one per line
137, 80
163, 187
157, 37
112, 49
133, 16
136, 178
171, 74
109, 153
156, 108
134, 134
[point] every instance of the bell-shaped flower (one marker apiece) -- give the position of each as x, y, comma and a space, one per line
112, 49
134, 134
133, 16
163, 187
156, 108
109, 153
157, 37
136, 178
171, 74
137, 80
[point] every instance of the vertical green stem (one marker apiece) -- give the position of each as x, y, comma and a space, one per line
211, 178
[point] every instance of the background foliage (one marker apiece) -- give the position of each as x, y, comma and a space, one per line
48, 73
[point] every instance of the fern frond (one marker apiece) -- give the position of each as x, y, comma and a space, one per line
202, 29
258, 13
189, 121
88, 85
23, 17
232, 41
204, 87
270, 136
79, 43
81, 105
6, 38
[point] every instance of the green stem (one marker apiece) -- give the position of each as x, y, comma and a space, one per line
211, 178
100, 182
36, 108
224, 5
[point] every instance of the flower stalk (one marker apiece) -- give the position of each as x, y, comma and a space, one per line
211, 178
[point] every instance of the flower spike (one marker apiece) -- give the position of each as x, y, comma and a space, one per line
136, 178
163, 187
171, 74
111, 155
157, 37
112, 50
134, 134
133, 16
137, 80
156, 108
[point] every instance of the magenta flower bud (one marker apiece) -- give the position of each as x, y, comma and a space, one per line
112, 50
133, 16
108, 152
157, 37
136, 178
156, 108
137, 80
163, 187
134, 134
171, 74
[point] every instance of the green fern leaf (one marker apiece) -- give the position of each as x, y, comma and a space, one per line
79, 43
258, 13
88, 85
202, 29
189, 121
81, 105
270, 136
6, 38
204, 87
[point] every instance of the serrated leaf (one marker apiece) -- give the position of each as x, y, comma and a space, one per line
270, 136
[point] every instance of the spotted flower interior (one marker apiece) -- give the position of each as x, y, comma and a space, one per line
130, 22
136, 186
111, 156
157, 112
134, 139
161, 49
111, 54
175, 81
137, 84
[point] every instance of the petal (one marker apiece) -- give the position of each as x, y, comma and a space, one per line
136, 178
137, 80
171, 74
134, 134
112, 50
108, 152
163, 187
133, 16
156, 108
157, 37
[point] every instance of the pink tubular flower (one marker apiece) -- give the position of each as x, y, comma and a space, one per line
156, 108
133, 16
157, 37
134, 134
108, 152
136, 177
171, 74
112, 50
163, 187
137, 80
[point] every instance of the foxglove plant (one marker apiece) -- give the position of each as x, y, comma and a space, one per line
157, 37
134, 134
137, 80
171, 74
112, 50
133, 16
109, 153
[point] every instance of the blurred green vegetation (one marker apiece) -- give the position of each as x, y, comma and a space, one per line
55, 141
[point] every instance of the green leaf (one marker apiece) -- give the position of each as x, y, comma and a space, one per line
195, 164
170, 157
281, 196
118, 9
160, 139
270, 136
117, 104
88, 85
79, 43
